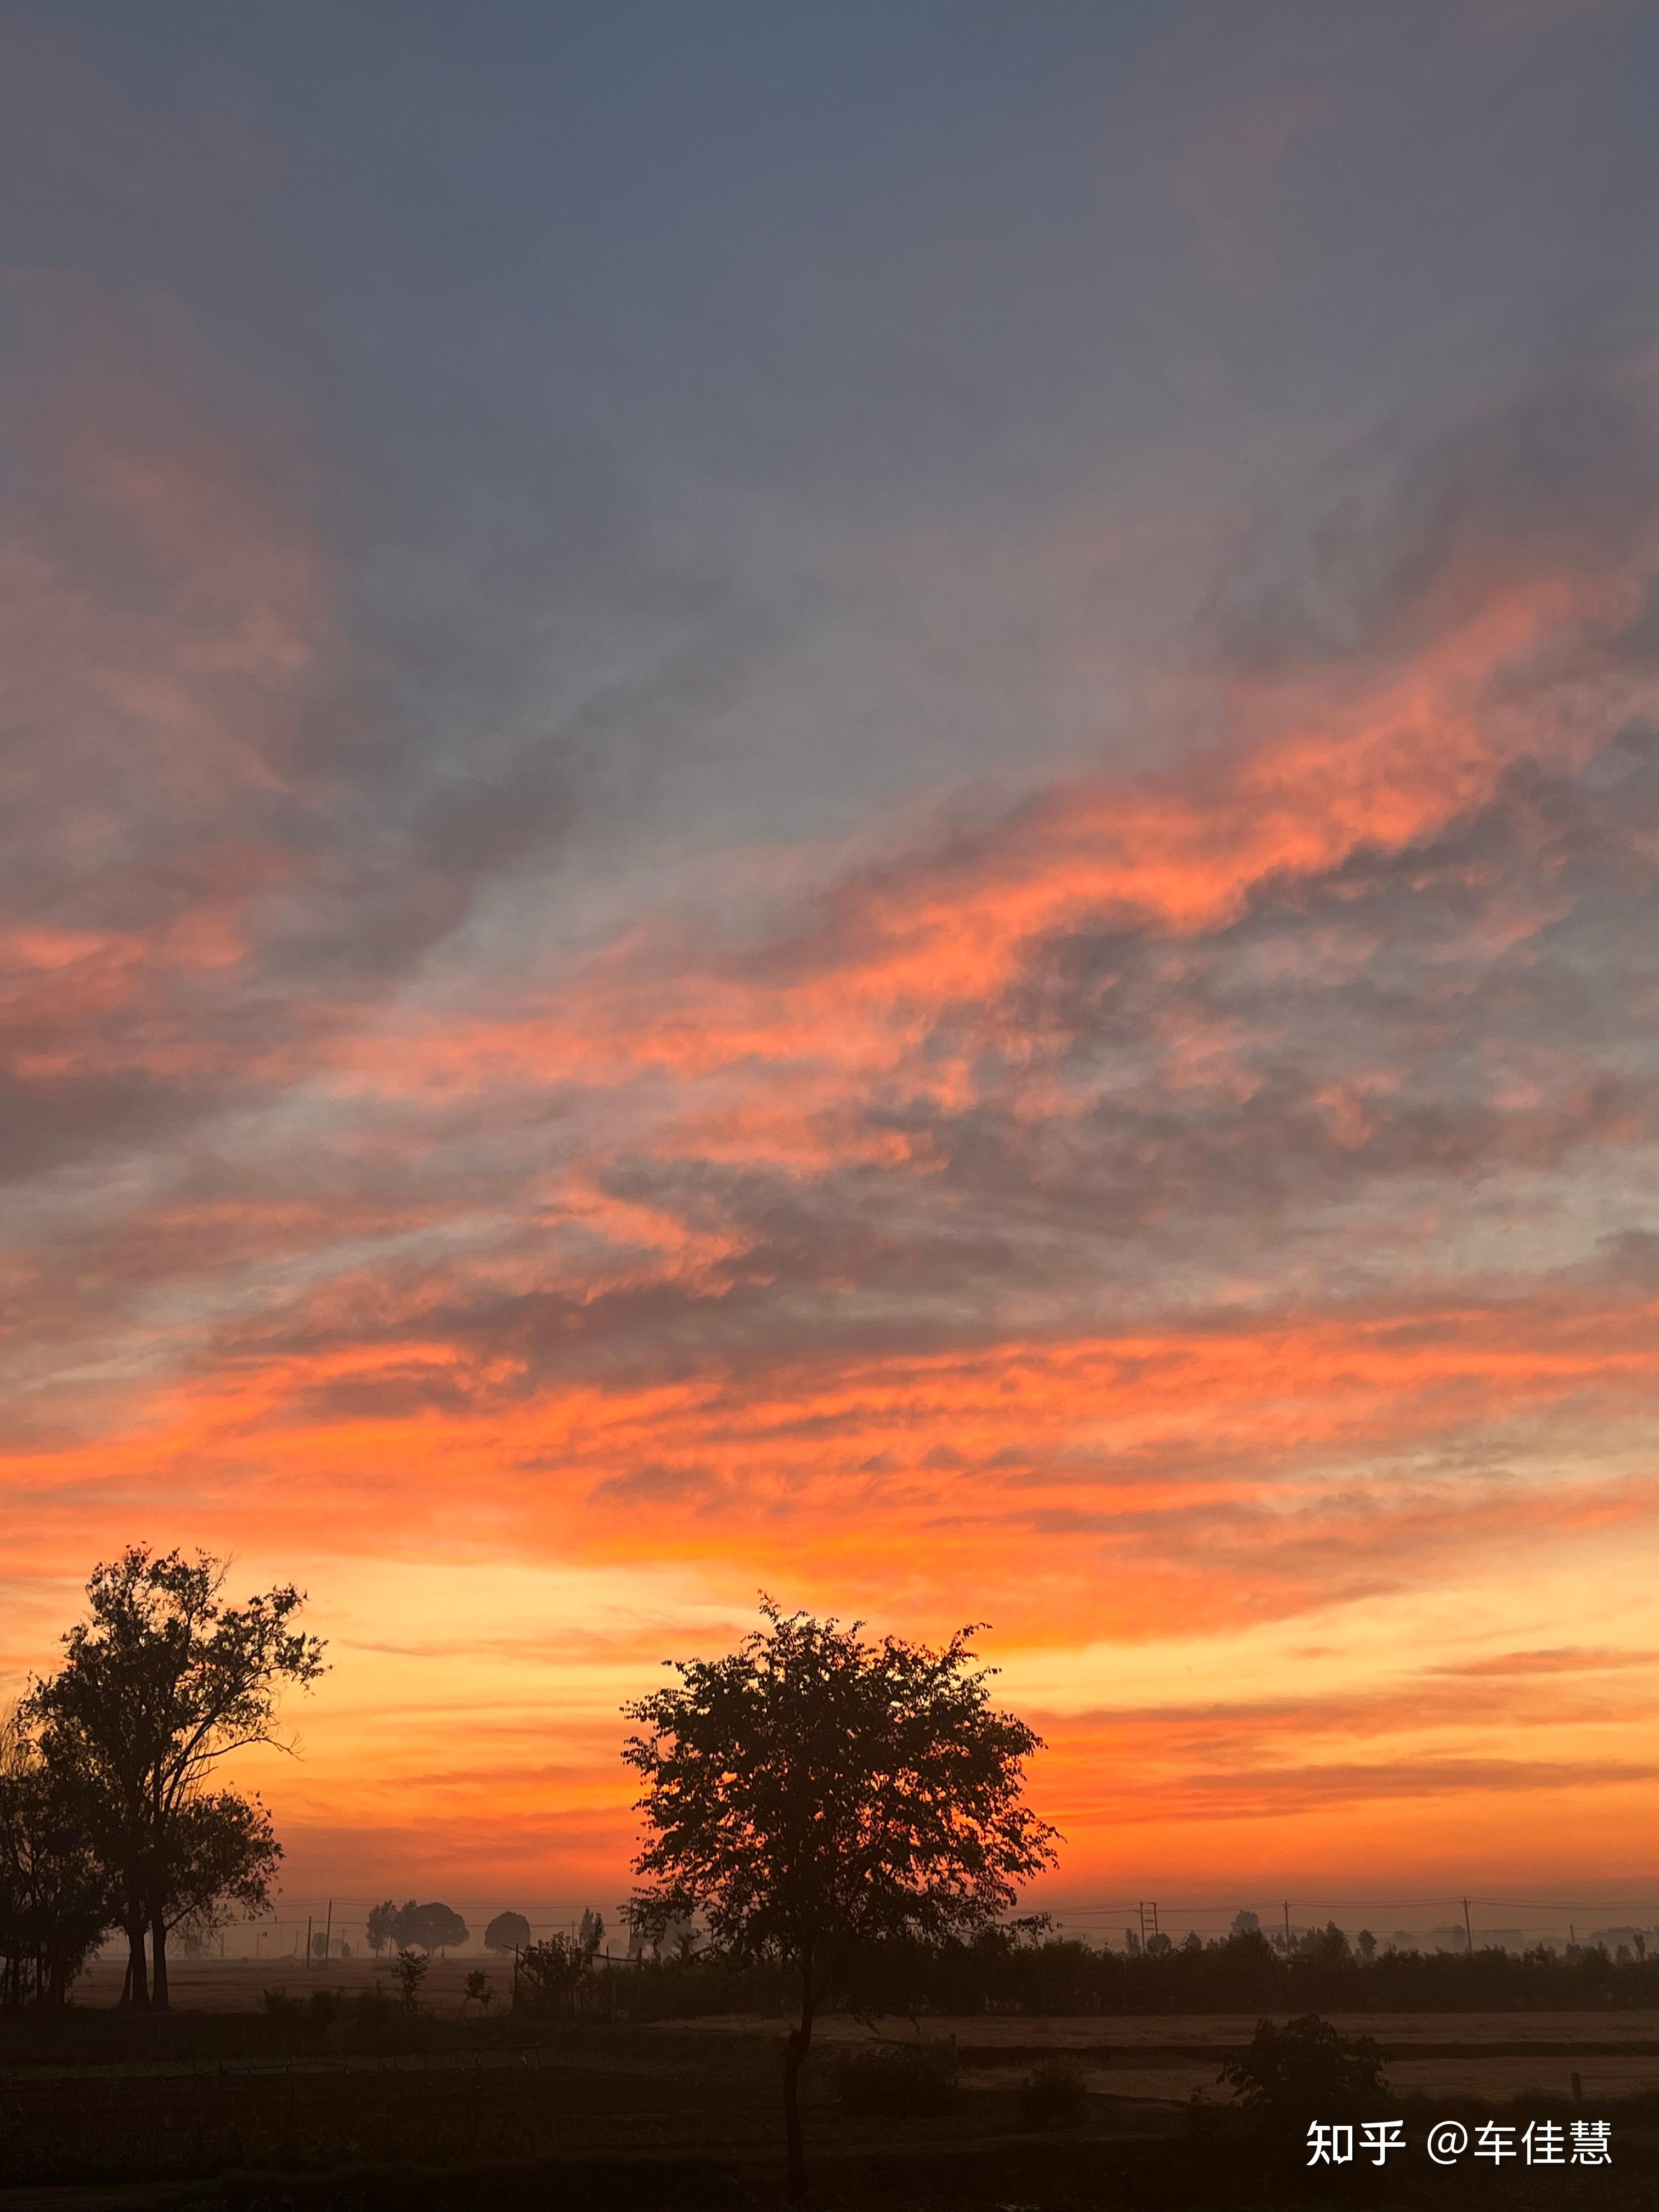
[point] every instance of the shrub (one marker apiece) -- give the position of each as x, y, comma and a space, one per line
376, 2024
895, 2081
1054, 2094
409, 1971
309, 2014
1306, 2066
288, 2012
548, 1974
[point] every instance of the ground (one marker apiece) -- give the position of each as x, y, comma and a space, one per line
620, 2111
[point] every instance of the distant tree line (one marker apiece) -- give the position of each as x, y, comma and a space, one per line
435, 1927
110, 1814
1024, 1968
412, 1927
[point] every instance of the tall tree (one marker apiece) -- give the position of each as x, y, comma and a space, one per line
161, 1681
383, 1924
814, 1793
56, 1899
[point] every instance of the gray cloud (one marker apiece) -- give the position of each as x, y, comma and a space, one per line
356, 707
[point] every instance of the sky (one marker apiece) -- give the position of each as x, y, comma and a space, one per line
859, 801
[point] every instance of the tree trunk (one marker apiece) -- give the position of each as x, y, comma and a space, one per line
794, 2056
137, 1992
158, 1939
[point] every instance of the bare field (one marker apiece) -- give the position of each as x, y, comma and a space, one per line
239, 1984
120, 2102
1493, 2080
1172, 2058
1207, 2032
1163, 2058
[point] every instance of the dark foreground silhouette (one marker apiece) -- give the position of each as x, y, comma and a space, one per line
299, 2110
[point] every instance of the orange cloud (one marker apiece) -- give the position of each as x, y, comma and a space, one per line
1163, 1215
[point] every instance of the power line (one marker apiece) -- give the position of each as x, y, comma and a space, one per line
1388, 1904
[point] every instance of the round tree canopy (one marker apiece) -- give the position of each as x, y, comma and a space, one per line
508, 1931
431, 1927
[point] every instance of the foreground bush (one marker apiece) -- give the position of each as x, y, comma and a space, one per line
366, 2022
895, 2081
1306, 2066
1054, 2094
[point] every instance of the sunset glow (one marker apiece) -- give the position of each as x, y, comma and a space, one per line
681, 994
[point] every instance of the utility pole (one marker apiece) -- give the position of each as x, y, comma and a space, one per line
1287, 1928
328, 1934
1468, 1930
307, 1942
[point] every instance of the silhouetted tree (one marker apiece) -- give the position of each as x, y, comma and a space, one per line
163, 1680
383, 1925
221, 1857
429, 1928
812, 1794
508, 1931
590, 1935
1327, 1947
55, 1900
